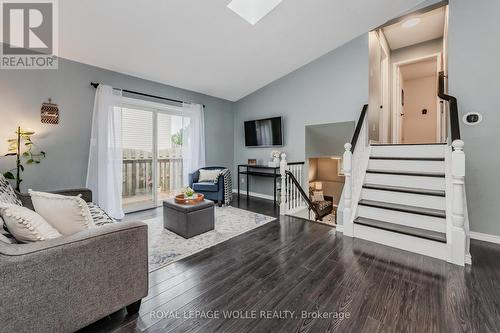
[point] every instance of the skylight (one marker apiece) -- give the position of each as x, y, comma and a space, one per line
253, 10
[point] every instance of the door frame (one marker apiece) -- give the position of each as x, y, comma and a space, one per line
385, 88
397, 112
155, 108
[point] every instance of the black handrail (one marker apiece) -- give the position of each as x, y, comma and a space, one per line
454, 120
310, 206
358, 127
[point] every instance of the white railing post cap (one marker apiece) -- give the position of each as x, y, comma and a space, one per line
458, 144
348, 146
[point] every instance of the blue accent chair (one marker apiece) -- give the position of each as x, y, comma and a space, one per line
212, 191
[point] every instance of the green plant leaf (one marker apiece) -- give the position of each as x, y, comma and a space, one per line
9, 175
10, 154
43, 153
30, 161
21, 167
12, 140
37, 162
26, 154
28, 143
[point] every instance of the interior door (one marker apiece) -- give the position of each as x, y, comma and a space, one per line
399, 106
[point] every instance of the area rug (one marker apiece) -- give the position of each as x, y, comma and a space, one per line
165, 247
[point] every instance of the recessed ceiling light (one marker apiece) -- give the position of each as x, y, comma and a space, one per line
253, 10
411, 22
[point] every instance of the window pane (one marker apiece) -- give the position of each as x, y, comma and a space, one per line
137, 189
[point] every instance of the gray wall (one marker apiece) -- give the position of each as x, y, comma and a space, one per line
330, 89
474, 78
67, 144
327, 140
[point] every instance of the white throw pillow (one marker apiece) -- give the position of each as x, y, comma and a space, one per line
318, 196
67, 214
26, 225
209, 175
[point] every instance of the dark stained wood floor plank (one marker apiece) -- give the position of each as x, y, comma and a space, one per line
294, 265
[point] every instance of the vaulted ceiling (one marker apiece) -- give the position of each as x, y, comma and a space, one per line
203, 46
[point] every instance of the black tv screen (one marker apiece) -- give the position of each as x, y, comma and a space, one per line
264, 132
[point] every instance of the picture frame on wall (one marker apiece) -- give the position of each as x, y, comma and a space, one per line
252, 161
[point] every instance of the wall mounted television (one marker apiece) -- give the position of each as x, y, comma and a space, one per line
264, 132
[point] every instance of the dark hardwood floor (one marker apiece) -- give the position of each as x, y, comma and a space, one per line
292, 267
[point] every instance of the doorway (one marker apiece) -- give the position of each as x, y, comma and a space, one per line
152, 164
406, 56
417, 112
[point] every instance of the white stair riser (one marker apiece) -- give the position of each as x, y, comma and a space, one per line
410, 199
409, 151
430, 183
405, 165
407, 219
400, 241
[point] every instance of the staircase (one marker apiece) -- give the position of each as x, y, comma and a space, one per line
410, 197
403, 199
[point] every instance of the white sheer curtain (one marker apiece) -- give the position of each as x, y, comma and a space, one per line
193, 141
104, 173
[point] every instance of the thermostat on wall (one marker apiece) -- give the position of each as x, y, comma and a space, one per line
472, 118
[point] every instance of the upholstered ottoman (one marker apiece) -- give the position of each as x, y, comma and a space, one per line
188, 220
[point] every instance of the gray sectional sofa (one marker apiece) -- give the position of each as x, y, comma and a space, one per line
64, 284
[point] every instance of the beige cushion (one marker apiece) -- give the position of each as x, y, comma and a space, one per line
68, 214
318, 196
208, 175
26, 225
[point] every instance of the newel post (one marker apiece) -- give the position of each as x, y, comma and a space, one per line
347, 213
458, 241
283, 167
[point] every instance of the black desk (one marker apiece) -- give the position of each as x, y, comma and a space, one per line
258, 171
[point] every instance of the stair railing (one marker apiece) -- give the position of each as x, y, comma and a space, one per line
354, 165
458, 225
453, 108
293, 198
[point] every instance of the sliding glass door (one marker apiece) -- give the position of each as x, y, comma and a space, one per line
138, 149
169, 154
152, 154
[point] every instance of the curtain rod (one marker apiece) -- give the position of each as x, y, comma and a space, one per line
95, 85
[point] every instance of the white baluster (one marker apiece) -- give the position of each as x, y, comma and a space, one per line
347, 214
284, 187
295, 189
299, 171
458, 241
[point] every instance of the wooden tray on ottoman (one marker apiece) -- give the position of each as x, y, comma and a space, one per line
181, 199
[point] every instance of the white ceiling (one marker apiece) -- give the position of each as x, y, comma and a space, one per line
205, 47
430, 27
419, 69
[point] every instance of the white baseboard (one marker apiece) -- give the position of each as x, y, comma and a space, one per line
485, 237
257, 195
468, 259
339, 228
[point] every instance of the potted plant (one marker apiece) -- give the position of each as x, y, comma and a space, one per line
16, 145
